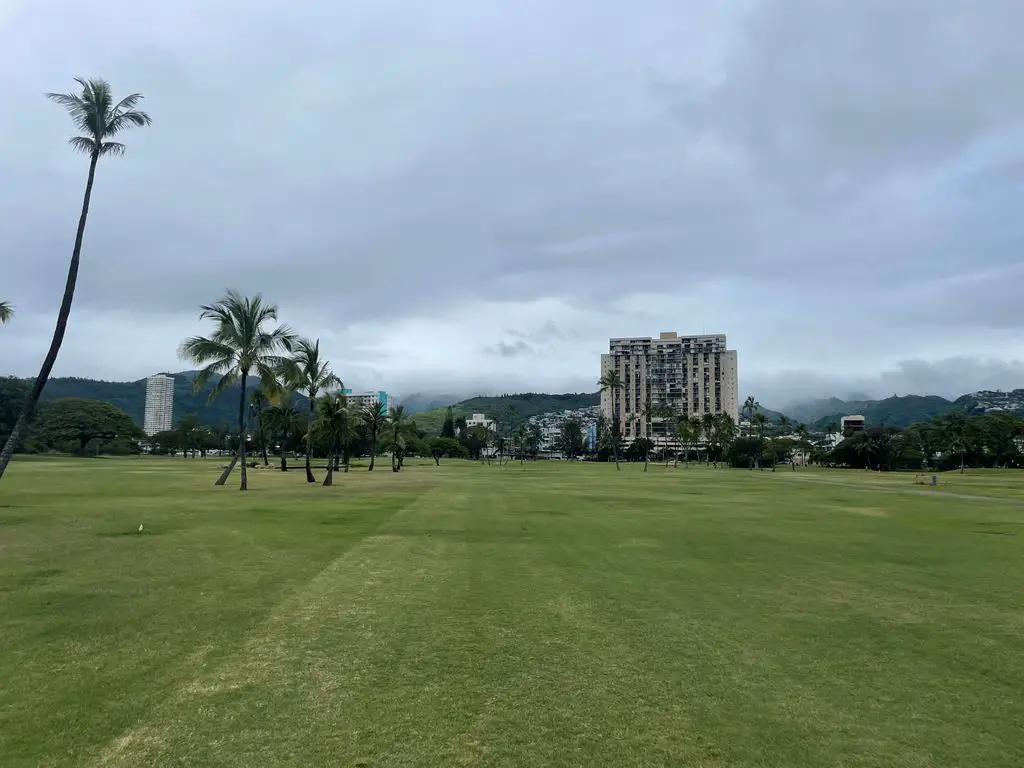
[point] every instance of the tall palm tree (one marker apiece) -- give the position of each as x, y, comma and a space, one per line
99, 119
312, 374
239, 347
696, 431
708, 425
282, 419
6, 311
257, 400
398, 425
374, 417
758, 420
805, 437
335, 423
681, 431
832, 428
750, 407
611, 382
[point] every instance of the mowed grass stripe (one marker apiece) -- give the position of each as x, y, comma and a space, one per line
555, 614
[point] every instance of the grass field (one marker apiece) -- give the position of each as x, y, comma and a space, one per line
554, 615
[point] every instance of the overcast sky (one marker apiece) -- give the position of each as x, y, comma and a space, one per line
469, 194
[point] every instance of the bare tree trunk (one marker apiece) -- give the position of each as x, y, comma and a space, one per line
58, 332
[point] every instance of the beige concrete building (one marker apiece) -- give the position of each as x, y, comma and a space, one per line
694, 375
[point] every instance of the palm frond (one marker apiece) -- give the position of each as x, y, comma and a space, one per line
227, 378
113, 148
82, 144
125, 120
203, 351
6, 311
76, 108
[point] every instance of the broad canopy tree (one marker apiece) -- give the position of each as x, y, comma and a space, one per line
80, 421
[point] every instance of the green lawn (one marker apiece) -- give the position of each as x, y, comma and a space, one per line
561, 614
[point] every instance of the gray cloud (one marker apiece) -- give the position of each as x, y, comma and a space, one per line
819, 179
516, 349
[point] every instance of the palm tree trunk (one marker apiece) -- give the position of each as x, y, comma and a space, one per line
263, 437
284, 447
373, 451
58, 332
309, 440
329, 480
242, 433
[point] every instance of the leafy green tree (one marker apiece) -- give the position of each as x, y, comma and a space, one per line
611, 382
240, 346
80, 421
6, 312
190, 429
570, 438
308, 372
95, 113
445, 446
725, 433
167, 442
953, 433
448, 428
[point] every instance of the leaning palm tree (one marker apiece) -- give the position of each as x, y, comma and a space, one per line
611, 382
6, 311
99, 118
239, 347
311, 373
374, 417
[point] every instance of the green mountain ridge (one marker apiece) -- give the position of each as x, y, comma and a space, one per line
897, 411
904, 410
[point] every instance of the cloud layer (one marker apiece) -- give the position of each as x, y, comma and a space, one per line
480, 194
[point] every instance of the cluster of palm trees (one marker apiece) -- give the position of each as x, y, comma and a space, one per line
248, 347
99, 118
712, 430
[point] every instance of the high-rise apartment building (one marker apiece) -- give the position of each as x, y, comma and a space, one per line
159, 404
694, 375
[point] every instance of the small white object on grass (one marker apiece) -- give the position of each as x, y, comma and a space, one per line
140, 527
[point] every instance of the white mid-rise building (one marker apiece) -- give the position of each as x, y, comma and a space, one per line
363, 399
159, 413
